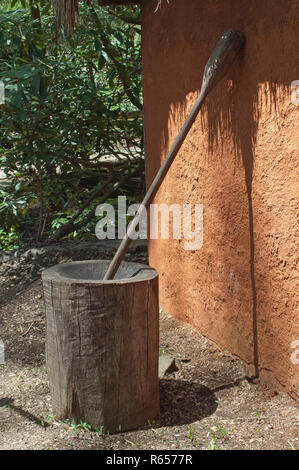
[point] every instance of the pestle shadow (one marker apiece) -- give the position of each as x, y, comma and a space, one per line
9, 403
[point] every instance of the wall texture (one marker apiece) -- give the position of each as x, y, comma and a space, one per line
240, 161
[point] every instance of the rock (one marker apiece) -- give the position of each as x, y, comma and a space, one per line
166, 365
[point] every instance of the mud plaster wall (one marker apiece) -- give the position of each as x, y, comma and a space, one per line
240, 161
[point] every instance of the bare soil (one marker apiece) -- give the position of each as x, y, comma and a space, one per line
207, 403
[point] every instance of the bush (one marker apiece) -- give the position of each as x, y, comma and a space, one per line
68, 103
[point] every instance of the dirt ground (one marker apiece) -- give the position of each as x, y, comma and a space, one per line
207, 403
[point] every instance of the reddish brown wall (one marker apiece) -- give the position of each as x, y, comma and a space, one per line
239, 161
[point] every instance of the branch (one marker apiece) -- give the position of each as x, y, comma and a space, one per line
71, 226
121, 70
126, 18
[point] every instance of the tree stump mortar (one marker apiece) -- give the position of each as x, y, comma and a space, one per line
102, 343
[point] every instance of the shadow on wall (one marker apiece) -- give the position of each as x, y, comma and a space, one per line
256, 86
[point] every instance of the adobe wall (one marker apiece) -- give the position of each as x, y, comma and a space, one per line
240, 161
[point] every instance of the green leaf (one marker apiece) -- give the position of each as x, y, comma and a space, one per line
101, 62
35, 84
97, 45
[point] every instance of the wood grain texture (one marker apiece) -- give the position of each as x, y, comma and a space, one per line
102, 345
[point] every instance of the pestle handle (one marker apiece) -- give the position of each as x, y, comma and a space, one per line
224, 54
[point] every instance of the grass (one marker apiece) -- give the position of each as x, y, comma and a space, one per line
191, 434
217, 435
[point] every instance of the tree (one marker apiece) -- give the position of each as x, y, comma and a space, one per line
70, 102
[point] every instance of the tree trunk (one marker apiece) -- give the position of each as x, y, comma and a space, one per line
102, 343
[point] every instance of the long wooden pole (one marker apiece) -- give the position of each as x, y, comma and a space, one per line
217, 66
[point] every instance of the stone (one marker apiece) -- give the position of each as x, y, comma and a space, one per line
166, 365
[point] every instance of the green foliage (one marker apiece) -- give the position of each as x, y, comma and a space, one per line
68, 102
9, 240
12, 210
